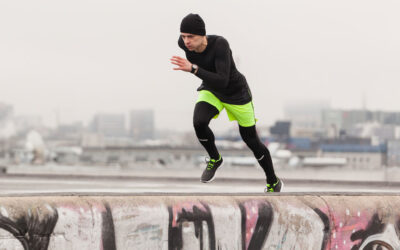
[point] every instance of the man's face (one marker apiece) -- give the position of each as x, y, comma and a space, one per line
192, 41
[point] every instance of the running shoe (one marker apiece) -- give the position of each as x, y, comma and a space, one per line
212, 166
276, 187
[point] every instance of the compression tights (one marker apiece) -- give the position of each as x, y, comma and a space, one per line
204, 112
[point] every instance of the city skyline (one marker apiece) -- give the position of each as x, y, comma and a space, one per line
77, 59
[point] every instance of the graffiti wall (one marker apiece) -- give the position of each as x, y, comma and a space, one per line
203, 222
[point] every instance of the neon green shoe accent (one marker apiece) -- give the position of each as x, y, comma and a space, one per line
272, 189
212, 162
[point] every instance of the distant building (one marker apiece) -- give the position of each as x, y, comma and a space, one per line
299, 143
305, 114
281, 131
7, 127
69, 131
357, 156
390, 118
109, 125
334, 121
331, 120
337, 122
6, 111
379, 133
305, 117
26, 123
393, 153
142, 124
92, 140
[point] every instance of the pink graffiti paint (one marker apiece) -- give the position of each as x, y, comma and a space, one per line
252, 215
343, 223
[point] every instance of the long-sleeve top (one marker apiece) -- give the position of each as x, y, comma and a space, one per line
218, 71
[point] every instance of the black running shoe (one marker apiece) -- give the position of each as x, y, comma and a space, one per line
212, 166
276, 187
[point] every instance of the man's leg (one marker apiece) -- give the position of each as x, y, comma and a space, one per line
203, 113
260, 151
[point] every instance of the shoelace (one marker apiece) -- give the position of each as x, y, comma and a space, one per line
210, 163
271, 188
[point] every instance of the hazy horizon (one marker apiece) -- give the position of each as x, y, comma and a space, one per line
78, 58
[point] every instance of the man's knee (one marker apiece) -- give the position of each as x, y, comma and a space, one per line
200, 123
251, 142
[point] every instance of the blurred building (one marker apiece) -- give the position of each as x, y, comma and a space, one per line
71, 131
352, 122
6, 111
393, 153
25, 123
92, 140
305, 116
305, 113
356, 155
379, 133
109, 125
392, 118
281, 131
7, 127
142, 124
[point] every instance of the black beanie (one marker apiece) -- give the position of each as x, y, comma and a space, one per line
193, 24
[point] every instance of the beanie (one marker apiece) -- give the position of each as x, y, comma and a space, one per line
193, 24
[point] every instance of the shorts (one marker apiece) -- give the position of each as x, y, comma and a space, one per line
244, 114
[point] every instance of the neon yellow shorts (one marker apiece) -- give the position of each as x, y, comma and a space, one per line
244, 114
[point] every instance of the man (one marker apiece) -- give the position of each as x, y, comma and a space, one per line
209, 57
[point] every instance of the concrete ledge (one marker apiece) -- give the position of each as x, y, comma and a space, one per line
279, 221
260, 180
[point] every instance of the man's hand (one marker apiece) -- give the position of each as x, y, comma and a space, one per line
182, 63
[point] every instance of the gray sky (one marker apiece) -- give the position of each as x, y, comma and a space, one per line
81, 57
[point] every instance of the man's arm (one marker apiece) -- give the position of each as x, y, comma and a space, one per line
215, 80
220, 78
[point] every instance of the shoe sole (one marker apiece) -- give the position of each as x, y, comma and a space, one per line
282, 185
213, 176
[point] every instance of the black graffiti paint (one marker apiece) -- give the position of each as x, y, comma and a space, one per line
375, 226
107, 230
262, 227
33, 229
197, 216
174, 233
327, 229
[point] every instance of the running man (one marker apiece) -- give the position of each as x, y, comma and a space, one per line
209, 57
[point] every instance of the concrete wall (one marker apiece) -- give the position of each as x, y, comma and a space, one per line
200, 222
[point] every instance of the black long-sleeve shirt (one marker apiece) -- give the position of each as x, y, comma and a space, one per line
218, 71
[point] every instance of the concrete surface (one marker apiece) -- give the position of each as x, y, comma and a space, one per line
223, 222
108, 209
50, 183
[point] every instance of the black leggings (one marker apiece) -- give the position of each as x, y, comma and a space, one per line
204, 112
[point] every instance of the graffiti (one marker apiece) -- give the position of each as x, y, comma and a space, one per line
108, 232
195, 213
327, 229
256, 219
32, 229
240, 224
377, 235
256, 222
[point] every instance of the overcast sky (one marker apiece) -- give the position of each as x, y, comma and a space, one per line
81, 57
